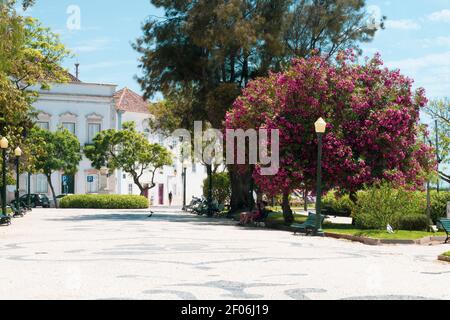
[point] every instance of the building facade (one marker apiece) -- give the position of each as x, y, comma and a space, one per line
85, 109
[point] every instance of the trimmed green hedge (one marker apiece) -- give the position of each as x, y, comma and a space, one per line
104, 201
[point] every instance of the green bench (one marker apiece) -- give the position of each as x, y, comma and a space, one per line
445, 223
309, 226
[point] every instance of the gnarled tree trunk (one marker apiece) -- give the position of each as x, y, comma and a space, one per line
287, 211
49, 180
240, 190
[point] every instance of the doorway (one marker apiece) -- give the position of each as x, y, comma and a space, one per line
68, 184
161, 194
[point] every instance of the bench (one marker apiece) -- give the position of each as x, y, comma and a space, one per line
5, 220
309, 226
445, 223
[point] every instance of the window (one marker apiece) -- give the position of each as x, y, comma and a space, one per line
92, 183
69, 126
41, 184
130, 189
93, 130
43, 125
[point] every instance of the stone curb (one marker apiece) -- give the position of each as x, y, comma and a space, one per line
370, 241
378, 242
444, 258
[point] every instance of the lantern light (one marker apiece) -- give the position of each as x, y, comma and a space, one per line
4, 143
18, 152
321, 126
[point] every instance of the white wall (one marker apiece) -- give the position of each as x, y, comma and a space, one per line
171, 176
80, 103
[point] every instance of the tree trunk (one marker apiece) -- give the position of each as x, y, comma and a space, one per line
287, 211
49, 180
139, 185
240, 190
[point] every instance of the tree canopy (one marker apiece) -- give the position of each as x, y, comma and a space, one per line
207, 51
373, 131
58, 151
30, 55
440, 111
129, 150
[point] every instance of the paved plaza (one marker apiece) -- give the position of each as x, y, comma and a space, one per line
92, 254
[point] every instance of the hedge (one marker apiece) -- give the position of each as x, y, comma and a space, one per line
379, 206
104, 202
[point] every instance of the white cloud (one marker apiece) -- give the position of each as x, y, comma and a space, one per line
107, 65
436, 42
430, 71
374, 12
405, 24
440, 16
93, 45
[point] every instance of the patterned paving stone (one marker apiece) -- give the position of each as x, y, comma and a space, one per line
94, 254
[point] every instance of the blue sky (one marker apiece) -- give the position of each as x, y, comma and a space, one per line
416, 39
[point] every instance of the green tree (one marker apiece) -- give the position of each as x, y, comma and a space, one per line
30, 55
130, 151
208, 50
440, 111
55, 152
221, 187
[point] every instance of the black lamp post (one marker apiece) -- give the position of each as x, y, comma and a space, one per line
29, 191
4, 144
18, 154
184, 174
321, 127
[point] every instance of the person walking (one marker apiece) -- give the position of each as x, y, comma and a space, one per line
170, 198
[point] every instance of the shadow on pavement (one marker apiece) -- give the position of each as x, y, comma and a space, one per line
144, 216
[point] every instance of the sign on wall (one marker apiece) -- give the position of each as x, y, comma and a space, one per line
90, 179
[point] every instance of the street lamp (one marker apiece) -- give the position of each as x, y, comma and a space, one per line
4, 144
18, 154
321, 127
184, 174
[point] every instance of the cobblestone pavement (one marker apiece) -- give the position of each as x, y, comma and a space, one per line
88, 254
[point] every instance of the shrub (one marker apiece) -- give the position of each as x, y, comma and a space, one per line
337, 205
221, 187
439, 204
413, 222
382, 205
104, 202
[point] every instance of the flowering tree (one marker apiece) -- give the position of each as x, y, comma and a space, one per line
373, 124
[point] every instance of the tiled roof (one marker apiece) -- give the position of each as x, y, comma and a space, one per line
129, 101
72, 78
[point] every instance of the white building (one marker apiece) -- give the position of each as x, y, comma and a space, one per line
88, 108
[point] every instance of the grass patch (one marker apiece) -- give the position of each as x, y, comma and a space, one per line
378, 234
447, 254
277, 218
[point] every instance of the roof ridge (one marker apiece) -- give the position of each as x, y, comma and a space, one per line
124, 90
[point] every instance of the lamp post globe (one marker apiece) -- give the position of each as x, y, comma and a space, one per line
18, 152
321, 127
4, 143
